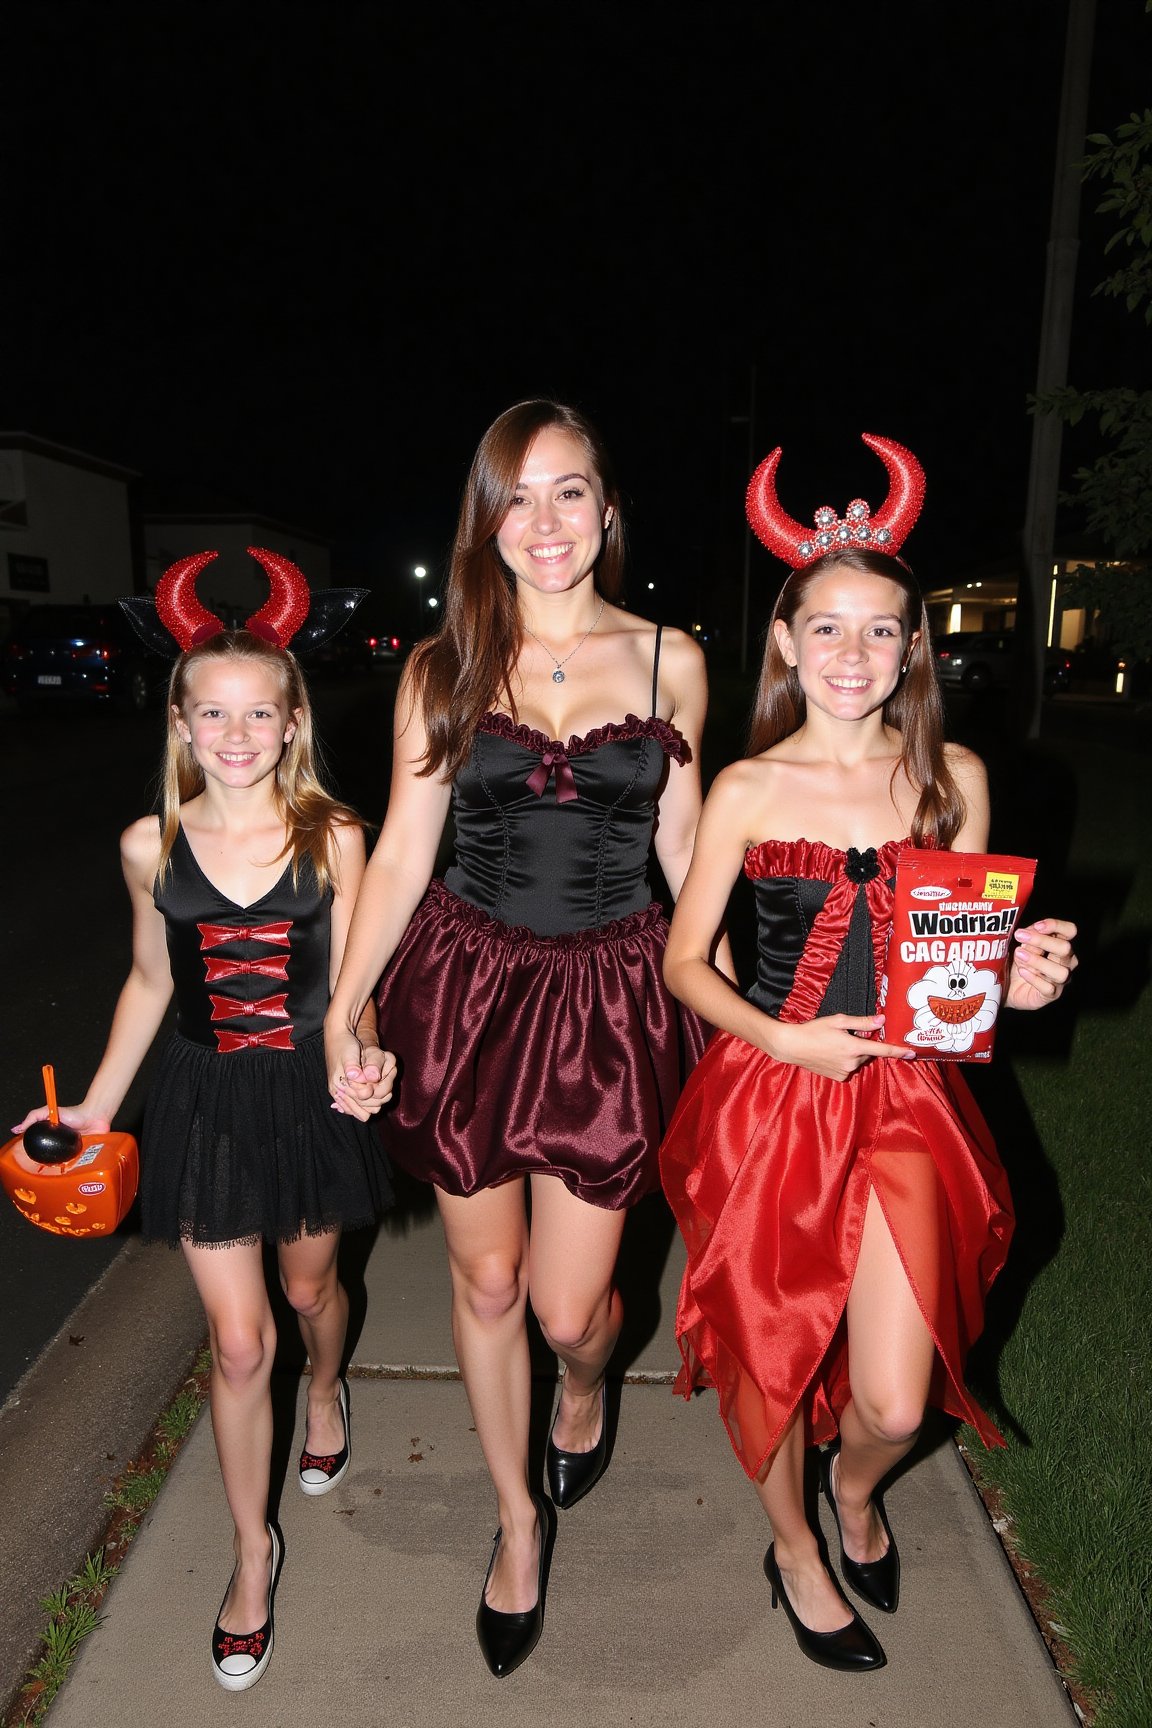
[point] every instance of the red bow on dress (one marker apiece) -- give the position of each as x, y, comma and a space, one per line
279, 1038
228, 1008
214, 934
272, 966
555, 757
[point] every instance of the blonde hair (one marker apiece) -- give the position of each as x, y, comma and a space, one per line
308, 809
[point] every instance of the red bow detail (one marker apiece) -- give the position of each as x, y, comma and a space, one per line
279, 1038
229, 1008
251, 1644
213, 934
272, 966
555, 757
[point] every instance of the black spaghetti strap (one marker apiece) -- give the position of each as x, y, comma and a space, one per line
656, 666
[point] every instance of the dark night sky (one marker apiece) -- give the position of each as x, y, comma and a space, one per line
302, 254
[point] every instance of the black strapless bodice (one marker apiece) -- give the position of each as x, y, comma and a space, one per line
822, 920
556, 837
246, 975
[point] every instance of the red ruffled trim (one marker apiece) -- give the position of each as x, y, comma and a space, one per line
632, 726
813, 861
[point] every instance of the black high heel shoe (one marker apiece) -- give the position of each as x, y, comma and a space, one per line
240, 1658
319, 1471
850, 1648
878, 1581
572, 1474
506, 1640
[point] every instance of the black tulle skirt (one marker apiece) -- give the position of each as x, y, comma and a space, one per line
245, 1147
523, 1054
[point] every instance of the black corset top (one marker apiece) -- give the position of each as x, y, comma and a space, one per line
245, 976
555, 836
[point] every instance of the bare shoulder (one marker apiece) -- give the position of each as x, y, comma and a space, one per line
967, 770
742, 782
348, 837
140, 848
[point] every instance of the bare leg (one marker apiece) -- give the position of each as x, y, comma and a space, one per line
308, 1277
571, 1261
811, 1591
891, 1353
242, 1331
487, 1238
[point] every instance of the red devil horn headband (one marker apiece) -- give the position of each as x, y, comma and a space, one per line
884, 532
177, 613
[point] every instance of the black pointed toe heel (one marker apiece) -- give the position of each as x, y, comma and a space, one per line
506, 1640
572, 1474
850, 1648
239, 1659
878, 1581
320, 1471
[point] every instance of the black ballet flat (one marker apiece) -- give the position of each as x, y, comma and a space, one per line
320, 1471
506, 1640
239, 1659
572, 1474
852, 1648
878, 1581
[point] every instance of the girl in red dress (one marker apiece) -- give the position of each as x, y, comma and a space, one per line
841, 1200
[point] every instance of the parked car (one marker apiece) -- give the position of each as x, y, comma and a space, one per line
89, 654
384, 646
976, 660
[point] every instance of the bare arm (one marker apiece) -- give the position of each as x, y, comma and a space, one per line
370, 1079
143, 1000
681, 800
391, 887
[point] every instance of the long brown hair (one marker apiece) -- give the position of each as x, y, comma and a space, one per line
307, 807
915, 708
459, 673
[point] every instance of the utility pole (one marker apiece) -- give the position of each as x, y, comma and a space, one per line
1055, 342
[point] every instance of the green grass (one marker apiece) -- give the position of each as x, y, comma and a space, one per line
72, 1611
1073, 1374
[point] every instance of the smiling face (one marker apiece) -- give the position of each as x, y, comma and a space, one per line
551, 536
847, 641
236, 720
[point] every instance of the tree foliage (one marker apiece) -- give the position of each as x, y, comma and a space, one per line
1114, 491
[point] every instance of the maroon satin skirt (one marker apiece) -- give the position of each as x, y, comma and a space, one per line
768, 1169
523, 1054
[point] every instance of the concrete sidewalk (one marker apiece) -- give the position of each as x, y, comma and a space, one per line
658, 1612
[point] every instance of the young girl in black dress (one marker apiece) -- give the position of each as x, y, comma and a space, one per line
242, 891
841, 1201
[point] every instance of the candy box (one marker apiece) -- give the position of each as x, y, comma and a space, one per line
87, 1194
953, 914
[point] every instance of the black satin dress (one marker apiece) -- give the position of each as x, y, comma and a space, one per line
239, 1141
526, 1000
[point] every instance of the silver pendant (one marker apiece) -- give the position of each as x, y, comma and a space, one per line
557, 676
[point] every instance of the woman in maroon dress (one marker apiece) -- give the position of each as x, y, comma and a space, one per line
540, 1049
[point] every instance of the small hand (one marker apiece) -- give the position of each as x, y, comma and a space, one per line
72, 1116
367, 1083
1042, 963
836, 1045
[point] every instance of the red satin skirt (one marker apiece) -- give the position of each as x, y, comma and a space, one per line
523, 1054
768, 1169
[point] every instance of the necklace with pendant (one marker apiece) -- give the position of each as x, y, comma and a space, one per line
558, 675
